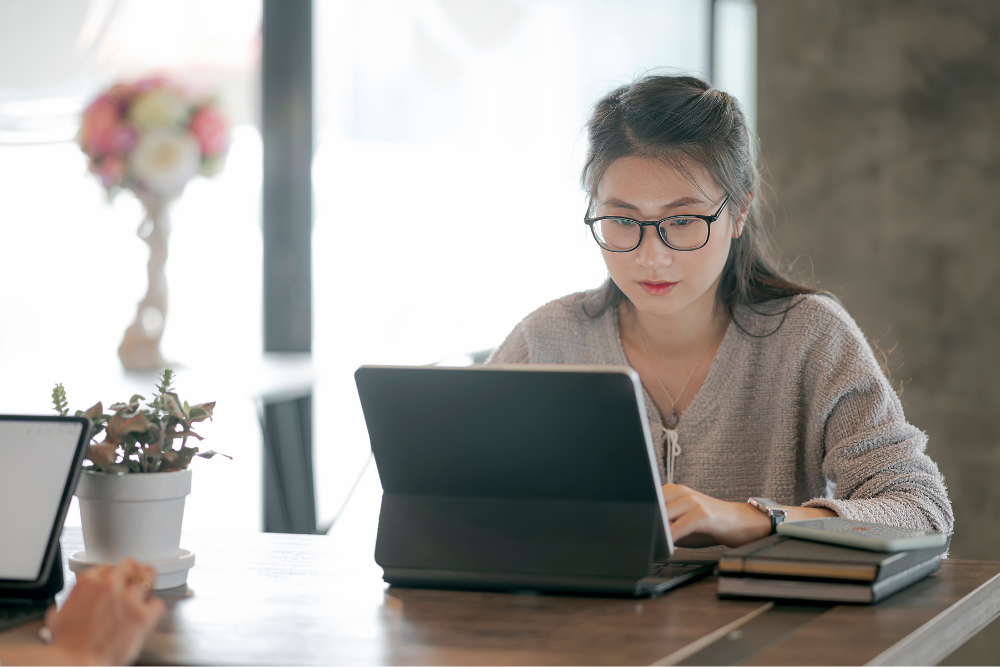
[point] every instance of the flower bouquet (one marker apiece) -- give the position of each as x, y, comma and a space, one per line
152, 137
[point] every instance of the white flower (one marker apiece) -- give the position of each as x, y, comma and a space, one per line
157, 108
165, 161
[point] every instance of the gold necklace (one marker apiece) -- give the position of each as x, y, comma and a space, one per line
672, 419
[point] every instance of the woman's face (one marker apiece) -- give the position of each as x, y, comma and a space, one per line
657, 280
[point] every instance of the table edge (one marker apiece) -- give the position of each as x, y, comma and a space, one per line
924, 646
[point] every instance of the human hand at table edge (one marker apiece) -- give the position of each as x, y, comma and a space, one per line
699, 520
106, 620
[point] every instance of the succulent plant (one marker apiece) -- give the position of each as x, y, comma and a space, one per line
141, 438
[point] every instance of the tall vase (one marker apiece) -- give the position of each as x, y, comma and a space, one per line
140, 351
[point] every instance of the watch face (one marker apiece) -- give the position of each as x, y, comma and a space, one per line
767, 505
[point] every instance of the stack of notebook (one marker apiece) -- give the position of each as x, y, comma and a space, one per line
785, 567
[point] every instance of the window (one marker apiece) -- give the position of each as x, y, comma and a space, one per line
71, 266
436, 122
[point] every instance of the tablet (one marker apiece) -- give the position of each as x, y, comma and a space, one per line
40, 463
862, 534
518, 477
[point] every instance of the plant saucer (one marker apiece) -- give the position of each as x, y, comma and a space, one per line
170, 573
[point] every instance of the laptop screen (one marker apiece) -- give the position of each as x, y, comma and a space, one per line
35, 465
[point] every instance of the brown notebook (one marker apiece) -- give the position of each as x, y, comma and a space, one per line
827, 590
786, 557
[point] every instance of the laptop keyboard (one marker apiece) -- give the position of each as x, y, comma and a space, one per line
11, 618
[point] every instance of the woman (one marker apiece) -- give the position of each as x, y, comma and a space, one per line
106, 619
754, 385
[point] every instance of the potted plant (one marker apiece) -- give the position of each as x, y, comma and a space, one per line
135, 480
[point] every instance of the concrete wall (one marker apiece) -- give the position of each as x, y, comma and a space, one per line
880, 124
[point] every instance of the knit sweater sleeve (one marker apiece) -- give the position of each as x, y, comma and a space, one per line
872, 454
514, 348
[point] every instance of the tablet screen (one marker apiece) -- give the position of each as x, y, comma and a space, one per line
35, 460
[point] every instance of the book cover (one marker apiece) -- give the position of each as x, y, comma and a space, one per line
863, 534
825, 591
783, 556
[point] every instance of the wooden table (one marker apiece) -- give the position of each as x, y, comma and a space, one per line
303, 599
297, 599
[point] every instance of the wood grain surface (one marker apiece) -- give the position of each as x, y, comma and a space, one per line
293, 599
289, 599
259, 598
918, 626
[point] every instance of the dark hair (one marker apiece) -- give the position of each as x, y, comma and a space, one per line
682, 121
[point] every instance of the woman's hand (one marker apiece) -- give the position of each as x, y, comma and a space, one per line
108, 616
697, 520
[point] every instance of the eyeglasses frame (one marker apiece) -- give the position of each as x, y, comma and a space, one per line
642, 224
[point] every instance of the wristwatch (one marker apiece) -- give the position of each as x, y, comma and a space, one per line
773, 510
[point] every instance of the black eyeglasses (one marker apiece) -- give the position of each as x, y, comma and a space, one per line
682, 232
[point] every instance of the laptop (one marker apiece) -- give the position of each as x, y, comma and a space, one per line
40, 460
518, 478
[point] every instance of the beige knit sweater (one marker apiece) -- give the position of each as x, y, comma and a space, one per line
804, 416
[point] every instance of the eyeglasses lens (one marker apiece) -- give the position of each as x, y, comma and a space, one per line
620, 234
617, 233
684, 233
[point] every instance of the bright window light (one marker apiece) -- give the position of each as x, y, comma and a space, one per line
447, 197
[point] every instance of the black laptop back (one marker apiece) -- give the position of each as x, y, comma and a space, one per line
514, 477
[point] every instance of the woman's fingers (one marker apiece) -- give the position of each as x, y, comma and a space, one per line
687, 516
679, 507
674, 491
154, 612
109, 613
150, 572
94, 575
694, 529
139, 581
710, 520
702, 519
122, 579
688, 524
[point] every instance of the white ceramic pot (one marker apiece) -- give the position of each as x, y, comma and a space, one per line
133, 515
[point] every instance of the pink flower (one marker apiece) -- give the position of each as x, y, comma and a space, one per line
121, 91
99, 120
211, 130
103, 131
120, 140
111, 171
